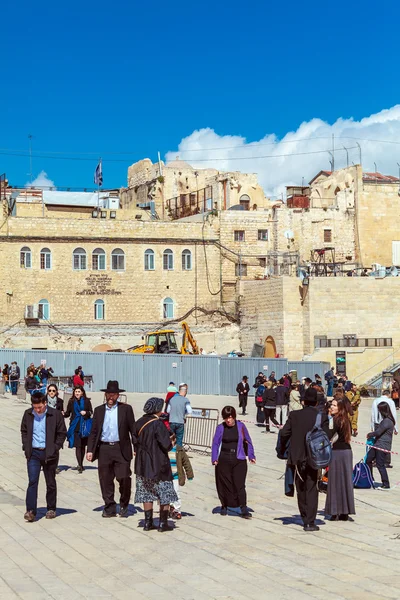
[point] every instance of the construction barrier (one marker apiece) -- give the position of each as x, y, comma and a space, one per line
200, 429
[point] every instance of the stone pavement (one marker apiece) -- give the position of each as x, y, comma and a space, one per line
81, 555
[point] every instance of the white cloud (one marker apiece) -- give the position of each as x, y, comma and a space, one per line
41, 181
313, 138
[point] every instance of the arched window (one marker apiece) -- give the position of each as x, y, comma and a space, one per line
149, 260
244, 201
25, 258
44, 310
79, 259
168, 260
98, 260
186, 260
118, 260
168, 308
99, 310
45, 259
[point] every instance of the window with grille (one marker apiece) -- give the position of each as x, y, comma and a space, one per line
241, 270
99, 311
25, 257
118, 260
149, 260
45, 259
79, 259
327, 235
238, 235
98, 260
186, 260
168, 260
263, 235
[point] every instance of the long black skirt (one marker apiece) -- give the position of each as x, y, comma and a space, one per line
230, 479
340, 493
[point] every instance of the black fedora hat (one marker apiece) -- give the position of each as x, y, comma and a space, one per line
112, 388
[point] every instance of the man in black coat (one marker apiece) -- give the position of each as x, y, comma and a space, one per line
111, 441
43, 433
299, 423
243, 389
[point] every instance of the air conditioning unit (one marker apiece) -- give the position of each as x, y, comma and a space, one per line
32, 312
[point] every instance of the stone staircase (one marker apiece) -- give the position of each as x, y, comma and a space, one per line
376, 381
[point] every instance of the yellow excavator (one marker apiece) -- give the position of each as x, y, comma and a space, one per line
163, 341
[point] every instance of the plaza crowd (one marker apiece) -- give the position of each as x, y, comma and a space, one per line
111, 435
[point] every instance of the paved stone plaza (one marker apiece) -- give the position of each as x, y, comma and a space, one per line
81, 555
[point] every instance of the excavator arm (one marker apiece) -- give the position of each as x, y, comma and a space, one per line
188, 339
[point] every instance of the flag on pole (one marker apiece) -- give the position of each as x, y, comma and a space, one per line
98, 175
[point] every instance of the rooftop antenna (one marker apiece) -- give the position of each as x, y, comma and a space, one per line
332, 162
376, 170
359, 150
30, 137
347, 155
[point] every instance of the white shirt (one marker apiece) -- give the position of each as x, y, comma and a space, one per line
375, 414
110, 425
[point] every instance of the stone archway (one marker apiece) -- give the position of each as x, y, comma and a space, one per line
269, 347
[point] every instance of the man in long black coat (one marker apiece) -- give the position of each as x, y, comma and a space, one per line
243, 389
299, 423
111, 441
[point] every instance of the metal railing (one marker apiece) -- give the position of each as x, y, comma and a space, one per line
200, 429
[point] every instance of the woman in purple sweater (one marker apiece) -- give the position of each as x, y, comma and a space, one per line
230, 446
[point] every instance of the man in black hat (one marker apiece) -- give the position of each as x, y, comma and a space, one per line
111, 442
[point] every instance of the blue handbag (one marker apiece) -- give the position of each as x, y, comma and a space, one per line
86, 424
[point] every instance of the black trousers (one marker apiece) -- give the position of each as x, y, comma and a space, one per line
112, 465
307, 493
260, 416
270, 414
230, 479
380, 458
243, 402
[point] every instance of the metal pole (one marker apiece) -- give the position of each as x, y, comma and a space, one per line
359, 149
333, 151
159, 164
30, 136
347, 155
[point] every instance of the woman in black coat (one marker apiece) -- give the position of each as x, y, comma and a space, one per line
154, 482
78, 406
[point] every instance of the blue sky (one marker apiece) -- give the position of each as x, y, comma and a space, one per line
138, 77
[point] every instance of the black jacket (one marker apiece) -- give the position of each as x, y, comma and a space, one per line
126, 430
152, 447
31, 384
282, 395
87, 406
56, 432
299, 423
242, 389
269, 397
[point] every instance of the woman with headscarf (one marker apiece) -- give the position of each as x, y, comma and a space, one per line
80, 410
154, 481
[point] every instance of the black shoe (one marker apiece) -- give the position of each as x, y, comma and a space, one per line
107, 515
224, 511
80, 469
163, 525
244, 512
333, 518
123, 511
58, 471
311, 527
148, 520
343, 517
389, 466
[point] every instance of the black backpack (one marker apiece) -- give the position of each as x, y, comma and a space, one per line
319, 449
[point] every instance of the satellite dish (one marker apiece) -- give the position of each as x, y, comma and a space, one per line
288, 234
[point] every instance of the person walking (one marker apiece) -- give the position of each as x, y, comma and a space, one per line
14, 374
293, 440
382, 438
243, 390
6, 378
269, 405
53, 401
79, 410
31, 383
110, 441
340, 493
259, 402
178, 407
77, 379
154, 481
231, 444
43, 433
282, 401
